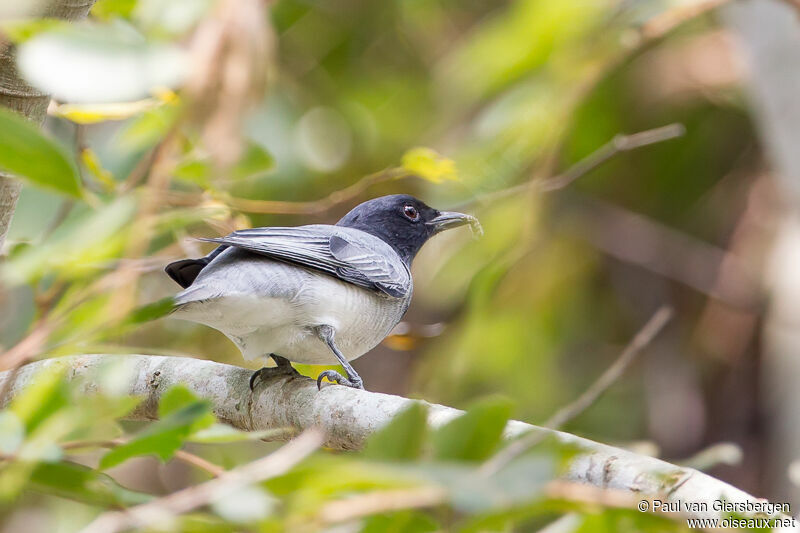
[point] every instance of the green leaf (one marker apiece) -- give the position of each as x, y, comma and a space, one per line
151, 311
147, 129
180, 397
429, 165
195, 171
29, 154
45, 395
474, 435
402, 438
515, 41
20, 30
162, 438
82, 484
470, 491
612, 520
110, 9
400, 522
181, 414
81, 245
255, 162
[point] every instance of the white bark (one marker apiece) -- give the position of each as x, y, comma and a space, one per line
349, 416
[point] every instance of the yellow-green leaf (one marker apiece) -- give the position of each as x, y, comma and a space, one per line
20, 30
429, 165
93, 164
93, 113
111, 9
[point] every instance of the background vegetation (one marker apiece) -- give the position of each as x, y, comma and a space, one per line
189, 118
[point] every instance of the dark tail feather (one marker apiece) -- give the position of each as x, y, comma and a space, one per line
185, 271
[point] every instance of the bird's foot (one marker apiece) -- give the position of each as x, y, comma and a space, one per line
332, 375
284, 368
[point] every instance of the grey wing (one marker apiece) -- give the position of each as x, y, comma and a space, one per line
350, 255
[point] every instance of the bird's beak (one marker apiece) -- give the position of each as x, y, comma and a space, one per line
449, 219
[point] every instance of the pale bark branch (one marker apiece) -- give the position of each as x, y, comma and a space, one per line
348, 416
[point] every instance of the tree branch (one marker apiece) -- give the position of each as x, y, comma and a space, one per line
348, 416
620, 143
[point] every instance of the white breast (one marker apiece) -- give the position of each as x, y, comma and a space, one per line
266, 306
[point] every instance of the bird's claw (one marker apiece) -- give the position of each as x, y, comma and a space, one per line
270, 372
336, 377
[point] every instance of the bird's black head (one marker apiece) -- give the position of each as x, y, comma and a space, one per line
403, 222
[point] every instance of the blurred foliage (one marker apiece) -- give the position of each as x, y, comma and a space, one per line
30, 154
459, 103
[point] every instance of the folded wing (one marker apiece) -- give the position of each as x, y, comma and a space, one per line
351, 255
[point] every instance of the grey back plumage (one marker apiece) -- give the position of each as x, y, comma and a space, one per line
348, 254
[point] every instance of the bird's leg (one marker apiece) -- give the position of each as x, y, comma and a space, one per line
326, 333
283, 368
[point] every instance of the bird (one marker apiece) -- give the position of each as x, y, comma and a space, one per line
314, 294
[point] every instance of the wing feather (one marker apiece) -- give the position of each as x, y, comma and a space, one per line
351, 255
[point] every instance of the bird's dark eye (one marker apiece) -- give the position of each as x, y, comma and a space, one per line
411, 212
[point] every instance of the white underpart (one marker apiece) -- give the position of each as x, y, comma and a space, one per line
266, 306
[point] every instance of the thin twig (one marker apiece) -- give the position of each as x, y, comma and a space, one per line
63, 212
644, 337
580, 492
620, 143
157, 184
80, 146
277, 207
652, 30
21, 352
721, 453
190, 498
181, 455
372, 503
140, 170
317, 206
615, 371
665, 22
644, 242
